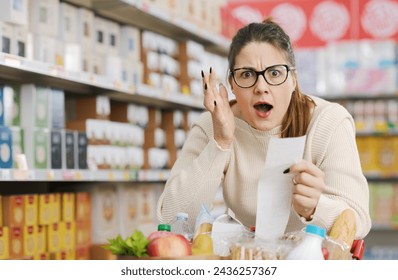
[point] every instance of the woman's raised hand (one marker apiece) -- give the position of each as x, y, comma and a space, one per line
216, 102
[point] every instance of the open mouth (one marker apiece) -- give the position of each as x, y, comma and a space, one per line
263, 107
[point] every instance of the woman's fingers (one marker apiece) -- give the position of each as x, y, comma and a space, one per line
308, 167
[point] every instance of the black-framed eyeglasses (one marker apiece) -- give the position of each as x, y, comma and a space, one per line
274, 75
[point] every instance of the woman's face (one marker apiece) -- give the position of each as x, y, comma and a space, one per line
263, 106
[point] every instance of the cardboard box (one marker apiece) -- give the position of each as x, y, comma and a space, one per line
15, 12
17, 143
53, 237
83, 207
35, 102
37, 150
81, 150
45, 209
1, 211
57, 106
101, 40
85, 28
31, 209
42, 256
128, 209
13, 211
16, 243
69, 142
130, 43
6, 35
44, 17
57, 147
30, 241
56, 206
6, 159
68, 207
82, 253
93, 107
19, 41
83, 234
68, 236
4, 243
68, 24
114, 37
41, 240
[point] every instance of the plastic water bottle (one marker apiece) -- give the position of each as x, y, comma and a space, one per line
310, 247
181, 226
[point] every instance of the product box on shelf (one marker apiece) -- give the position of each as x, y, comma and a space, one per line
19, 41
56, 205
68, 235
17, 143
83, 233
83, 207
93, 107
6, 33
85, 28
6, 159
42, 256
5, 241
127, 203
68, 206
31, 209
10, 99
81, 150
29, 240
44, 17
57, 106
394, 219
16, 242
67, 23
15, 12
13, 210
130, 43
41, 240
82, 253
100, 38
114, 37
387, 155
35, 102
69, 142
1, 211
37, 149
53, 236
57, 149
45, 209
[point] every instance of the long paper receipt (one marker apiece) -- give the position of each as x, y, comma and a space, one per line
274, 194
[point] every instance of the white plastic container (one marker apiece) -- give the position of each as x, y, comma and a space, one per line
310, 248
181, 226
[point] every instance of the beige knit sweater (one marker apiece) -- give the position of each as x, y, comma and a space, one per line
202, 167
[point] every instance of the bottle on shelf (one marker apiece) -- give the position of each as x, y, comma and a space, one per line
310, 247
181, 226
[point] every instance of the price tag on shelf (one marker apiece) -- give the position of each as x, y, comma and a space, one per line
5, 175
133, 175
50, 175
126, 176
68, 175
12, 61
111, 176
78, 176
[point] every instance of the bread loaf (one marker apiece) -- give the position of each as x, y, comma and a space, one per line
343, 229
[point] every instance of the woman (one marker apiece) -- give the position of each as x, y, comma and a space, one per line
228, 144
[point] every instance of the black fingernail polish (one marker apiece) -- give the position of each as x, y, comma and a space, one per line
205, 86
286, 171
215, 103
203, 75
210, 70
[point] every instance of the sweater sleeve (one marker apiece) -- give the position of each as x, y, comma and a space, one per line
346, 186
196, 174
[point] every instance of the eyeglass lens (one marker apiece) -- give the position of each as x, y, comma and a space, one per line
274, 75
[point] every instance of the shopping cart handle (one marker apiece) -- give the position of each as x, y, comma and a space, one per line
357, 249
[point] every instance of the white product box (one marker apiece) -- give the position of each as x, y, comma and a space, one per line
100, 39
113, 33
14, 11
128, 209
6, 160
105, 213
10, 106
17, 143
35, 106
6, 35
73, 57
85, 28
57, 107
97, 64
67, 23
44, 17
56, 149
44, 49
113, 68
130, 42
37, 149
19, 41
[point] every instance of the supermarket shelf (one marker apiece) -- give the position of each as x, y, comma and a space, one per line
52, 175
381, 179
146, 17
361, 96
20, 69
376, 133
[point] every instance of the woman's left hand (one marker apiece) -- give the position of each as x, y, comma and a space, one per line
308, 186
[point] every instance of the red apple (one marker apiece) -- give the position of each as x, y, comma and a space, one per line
157, 234
175, 245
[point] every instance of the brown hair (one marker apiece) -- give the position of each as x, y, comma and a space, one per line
296, 121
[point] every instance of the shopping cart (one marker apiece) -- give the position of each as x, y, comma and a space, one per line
357, 249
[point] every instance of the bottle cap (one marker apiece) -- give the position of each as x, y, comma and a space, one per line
164, 227
316, 230
182, 215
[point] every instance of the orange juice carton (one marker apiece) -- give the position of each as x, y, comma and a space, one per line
45, 209
41, 239
83, 207
31, 209
56, 208
29, 241
68, 235
68, 207
16, 243
53, 237
4, 243
13, 210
